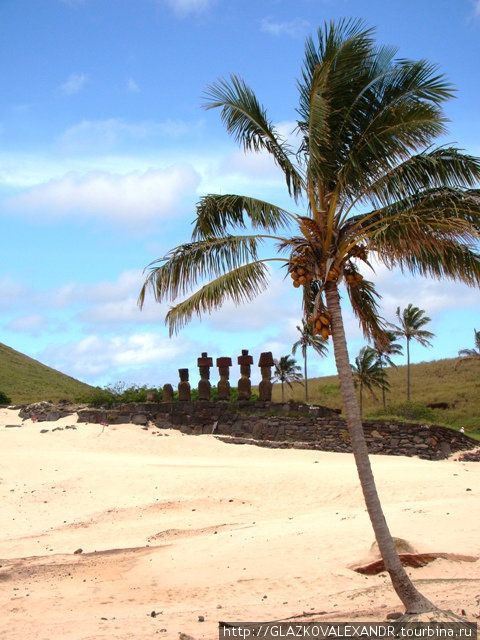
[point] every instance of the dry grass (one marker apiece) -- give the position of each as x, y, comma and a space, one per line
454, 381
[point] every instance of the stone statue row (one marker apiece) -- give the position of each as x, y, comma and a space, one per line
244, 385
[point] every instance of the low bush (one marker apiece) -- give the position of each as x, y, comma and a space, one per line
410, 411
4, 399
99, 398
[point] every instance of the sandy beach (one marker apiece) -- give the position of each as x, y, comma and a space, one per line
174, 533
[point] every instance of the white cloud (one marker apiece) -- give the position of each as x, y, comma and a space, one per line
103, 135
96, 355
434, 296
32, 324
293, 28
132, 86
127, 283
73, 3
125, 310
184, 7
74, 83
260, 166
132, 198
13, 292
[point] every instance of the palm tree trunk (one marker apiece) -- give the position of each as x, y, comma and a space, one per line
383, 389
305, 373
408, 370
283, 392
361, 400
412, 599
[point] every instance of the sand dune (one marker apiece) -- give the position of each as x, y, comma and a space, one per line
187, 526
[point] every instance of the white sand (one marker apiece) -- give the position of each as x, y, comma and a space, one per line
189, 526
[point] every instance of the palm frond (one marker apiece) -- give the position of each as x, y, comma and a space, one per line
184, 267
438, 169
434, 233
216, 213
398, 114
241, 284
469, 353
363, 298
331, 72
246, 120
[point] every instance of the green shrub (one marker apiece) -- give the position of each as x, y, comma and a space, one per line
4, 399
100, 398
133, 393
412, 411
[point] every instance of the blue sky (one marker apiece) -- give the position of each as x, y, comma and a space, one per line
105, 149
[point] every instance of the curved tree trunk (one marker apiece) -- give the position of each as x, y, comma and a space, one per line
412, 599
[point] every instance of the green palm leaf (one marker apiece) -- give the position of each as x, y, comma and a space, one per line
247, 121
185, 266
364, 300
241, 284
429, 171
216, 213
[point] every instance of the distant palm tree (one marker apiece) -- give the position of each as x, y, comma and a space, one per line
471, 354
384, 351
412, 319
309, 339
368, 373
286, 371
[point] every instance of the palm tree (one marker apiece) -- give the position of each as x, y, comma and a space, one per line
472, 354
389, 348
309, 339
412, 319
286, 370
372, 183
368, 373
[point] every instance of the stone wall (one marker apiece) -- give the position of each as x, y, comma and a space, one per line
285, 425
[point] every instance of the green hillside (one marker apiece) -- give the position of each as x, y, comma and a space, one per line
25, 380
440, 381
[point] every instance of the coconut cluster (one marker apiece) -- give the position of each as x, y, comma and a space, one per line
334, 273
352, 277
299, 269
358, 251
322, 324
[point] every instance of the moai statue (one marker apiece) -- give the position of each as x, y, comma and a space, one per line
204, 363
223, 386
265, 363
244, 384
184, 386
167, 393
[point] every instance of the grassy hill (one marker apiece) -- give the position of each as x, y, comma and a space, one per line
431, 382
26, 380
